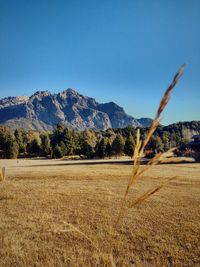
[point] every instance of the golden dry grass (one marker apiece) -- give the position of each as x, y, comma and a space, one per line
2, 174
47, 206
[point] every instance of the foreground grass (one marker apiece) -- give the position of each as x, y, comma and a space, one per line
40, 199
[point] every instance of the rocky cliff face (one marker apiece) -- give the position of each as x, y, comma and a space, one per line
43, 110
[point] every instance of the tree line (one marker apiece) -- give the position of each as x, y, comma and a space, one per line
64, 141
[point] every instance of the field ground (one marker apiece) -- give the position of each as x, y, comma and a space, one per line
41, 201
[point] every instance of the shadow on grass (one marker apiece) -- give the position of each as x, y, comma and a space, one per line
85, 162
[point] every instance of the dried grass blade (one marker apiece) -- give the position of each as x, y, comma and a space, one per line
140, 146
149, 193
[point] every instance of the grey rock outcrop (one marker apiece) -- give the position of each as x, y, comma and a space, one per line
43, 110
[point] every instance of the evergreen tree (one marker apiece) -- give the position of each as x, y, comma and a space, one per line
108, 149
20, 141
166, 140
33, 148
88, 141
8, 146
76, 144
129, 146
63, 149
13, 150
67, 139
118, 145
58, 135
101, 148
57, 152
45, 147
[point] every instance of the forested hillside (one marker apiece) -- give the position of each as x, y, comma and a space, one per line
65, 141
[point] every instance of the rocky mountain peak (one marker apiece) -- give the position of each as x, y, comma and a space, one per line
69, 91
43, 110
40, 94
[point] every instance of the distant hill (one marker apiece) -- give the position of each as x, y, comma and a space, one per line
185, 129
43, 111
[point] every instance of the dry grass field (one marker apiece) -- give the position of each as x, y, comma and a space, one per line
45, 203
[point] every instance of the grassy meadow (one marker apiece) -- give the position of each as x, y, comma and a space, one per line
63, 213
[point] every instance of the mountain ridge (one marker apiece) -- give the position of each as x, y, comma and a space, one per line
44, 110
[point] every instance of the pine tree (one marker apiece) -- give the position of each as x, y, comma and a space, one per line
57, 152
118, 145
67, 139
63, 149
20, 141
88, 141
129, 146
8, 146
45, 147
108, 149
101, 148
33, 148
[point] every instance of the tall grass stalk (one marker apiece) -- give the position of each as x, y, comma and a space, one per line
139, 152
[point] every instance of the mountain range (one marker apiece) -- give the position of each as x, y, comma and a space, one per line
43, 111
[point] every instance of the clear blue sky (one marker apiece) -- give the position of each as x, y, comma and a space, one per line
125, 51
